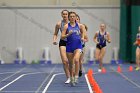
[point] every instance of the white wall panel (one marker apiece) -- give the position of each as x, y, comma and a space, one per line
29, 3
32, 29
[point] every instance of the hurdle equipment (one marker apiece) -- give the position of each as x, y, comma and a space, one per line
19, 56
46, 57
91, 55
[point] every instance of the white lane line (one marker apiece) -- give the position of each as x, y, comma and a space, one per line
45, 79
25, 73
17, 92
28, 73
48, 91
125, 77
67, 91
12, 82
90, 89
13, 74
47, 86
18, 79
6, 73
33, 73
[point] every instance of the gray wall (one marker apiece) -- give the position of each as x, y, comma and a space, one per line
32, 29
58, 2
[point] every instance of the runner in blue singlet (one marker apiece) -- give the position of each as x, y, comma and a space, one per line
74, 32
100, 39
83, 45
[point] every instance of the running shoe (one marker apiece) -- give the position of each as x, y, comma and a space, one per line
80, 73
67, 81
137, 68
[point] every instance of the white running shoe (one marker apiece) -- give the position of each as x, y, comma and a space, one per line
68, 81
99, 70
76, 79
72, 82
